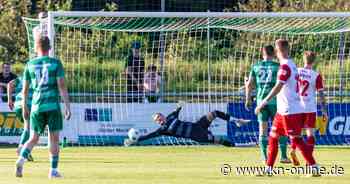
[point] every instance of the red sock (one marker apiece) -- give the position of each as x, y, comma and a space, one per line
292, 145
272, 151
311, 142
305, 150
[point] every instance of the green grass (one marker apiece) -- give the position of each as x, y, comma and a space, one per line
180, 165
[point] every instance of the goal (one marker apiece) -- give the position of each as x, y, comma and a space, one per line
200, 58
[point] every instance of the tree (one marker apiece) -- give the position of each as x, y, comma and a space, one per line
12, 31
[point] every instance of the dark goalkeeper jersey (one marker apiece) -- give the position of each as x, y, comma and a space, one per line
177, 128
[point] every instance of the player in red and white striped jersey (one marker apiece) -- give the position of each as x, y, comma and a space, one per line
309, 84
288, 120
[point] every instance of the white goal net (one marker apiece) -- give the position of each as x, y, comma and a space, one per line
121, 67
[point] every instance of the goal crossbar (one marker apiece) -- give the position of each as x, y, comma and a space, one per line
200, 14
204, 15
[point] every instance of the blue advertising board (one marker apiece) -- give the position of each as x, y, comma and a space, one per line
334, 132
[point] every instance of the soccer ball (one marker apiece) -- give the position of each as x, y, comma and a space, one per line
133, 134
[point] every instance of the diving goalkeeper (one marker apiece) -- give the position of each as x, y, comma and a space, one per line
198, 131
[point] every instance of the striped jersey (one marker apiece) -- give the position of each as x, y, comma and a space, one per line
172, 127
42, 73
265, 75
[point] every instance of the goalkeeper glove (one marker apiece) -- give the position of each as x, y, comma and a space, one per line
129, 142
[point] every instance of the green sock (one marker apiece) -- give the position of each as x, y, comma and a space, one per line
25, 152
54, 162
263, 142
283, 146
24, 137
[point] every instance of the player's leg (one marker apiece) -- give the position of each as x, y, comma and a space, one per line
283, 142
218, 114
310, 124
275, 132
55, 124
307, 154
25, 152
293, 147
293, 154
206, 120
200, 133
283, 139
25, 133
263, 136
25, 136
293, 125
224, 116
54, 154
221, 140
310, 138
37, 127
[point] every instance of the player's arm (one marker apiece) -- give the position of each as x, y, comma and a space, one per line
248, 91
275, 90
284, 74
64, 94
323, 102
63, 91
25, 91
320, 92
156, 133
10, 88
150, 135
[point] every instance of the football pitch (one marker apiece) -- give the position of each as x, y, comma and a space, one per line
162, 164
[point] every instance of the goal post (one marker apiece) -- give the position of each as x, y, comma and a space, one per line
201, 58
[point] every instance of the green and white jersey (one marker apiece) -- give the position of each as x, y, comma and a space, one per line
265, 75
43, 72
19, 96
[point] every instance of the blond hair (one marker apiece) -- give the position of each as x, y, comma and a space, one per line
43, 42
310, 57
282, 44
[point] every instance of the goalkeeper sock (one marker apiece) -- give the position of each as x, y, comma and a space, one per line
304, 149
273, 149
24, 137
54, 161
263, 142
225, 142
222, 141
283, 146
221, 115
310, 140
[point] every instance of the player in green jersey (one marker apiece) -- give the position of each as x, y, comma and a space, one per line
46, 76
15, 86
263, 76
